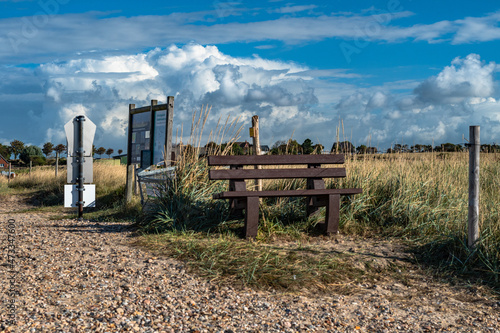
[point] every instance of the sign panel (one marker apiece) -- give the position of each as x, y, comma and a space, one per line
71, 195
72, 129
141, 127
160, 133
88, 170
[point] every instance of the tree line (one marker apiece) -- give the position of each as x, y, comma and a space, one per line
41, 156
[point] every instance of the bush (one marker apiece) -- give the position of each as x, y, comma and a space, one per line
30, 153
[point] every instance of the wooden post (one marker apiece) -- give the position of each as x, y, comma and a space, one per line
10, 171
152, 132
256, 147
31, 166
474, 149
136, 180
170, 123
130, 183
130, 168
57, 163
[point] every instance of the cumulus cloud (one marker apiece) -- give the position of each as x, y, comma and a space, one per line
288, 97
196, 75
464, 78
439, 109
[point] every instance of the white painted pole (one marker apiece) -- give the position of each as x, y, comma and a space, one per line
474, 149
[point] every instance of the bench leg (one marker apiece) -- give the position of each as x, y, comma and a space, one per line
251, 217
332, 215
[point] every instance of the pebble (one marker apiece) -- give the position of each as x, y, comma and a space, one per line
78, 276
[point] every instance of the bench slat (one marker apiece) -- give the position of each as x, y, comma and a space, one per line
235, 174
287, 193
275, 159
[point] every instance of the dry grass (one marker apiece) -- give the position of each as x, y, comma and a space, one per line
419, 198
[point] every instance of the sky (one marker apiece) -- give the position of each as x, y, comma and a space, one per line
376, 73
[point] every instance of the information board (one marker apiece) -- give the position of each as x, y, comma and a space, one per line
141, 129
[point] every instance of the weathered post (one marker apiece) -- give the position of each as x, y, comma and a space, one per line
474, 148
31, 166
256, 146
130, 167
57, 163
170, 122
130, 182
10, 174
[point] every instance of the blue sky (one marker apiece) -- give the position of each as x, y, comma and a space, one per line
385, 72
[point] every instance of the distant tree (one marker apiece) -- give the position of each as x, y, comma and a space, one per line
16, 147
343, 147
318, 148
361, 149
109, 151
211, 148
94, 150
60, 148
48, 148
307, 146
32, 153
5, 151
100, 151
120, 151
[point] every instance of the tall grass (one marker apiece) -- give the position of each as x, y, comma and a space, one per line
48, 190
421, 198
424, 197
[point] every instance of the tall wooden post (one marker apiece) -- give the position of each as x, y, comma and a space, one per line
130, 167
31, 166
474, 149
57, 163
152, 132
130, 183
10, 174
256, 147
170, 123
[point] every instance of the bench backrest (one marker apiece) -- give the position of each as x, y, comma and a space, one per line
312, 171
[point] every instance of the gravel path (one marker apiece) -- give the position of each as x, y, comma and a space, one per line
86, 277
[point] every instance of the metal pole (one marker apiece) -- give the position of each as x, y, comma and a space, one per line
474, 148
80, 120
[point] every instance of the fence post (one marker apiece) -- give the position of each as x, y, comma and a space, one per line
130, 182
256, 147
57, 163
10, 173
474, 149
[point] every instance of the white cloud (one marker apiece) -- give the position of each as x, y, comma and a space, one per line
289, 98
195, 74
464, 78
26, 40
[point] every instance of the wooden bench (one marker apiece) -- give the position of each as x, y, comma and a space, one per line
317, 194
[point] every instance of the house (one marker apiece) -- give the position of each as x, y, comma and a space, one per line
264, 149
4, 164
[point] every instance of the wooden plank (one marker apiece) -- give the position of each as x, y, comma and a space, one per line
275, 159
287, 193
251, 217
157, 107
332, 215
276, 173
